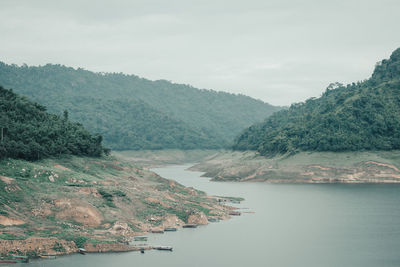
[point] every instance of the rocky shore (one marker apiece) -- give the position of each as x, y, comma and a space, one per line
55, 207
304, 167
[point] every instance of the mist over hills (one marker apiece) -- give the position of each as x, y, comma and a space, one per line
136, 113
360, 116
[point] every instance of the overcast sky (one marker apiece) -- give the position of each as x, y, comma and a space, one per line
278, 51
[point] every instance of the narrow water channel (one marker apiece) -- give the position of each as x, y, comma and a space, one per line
293, 225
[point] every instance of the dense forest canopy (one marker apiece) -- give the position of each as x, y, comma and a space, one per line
359, 116
135, 113
27, 131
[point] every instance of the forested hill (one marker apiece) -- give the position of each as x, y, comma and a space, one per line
27, 131
359, 116
135, 113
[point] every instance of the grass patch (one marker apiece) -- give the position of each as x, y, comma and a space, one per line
8, 236
118, 193
108, 197
3, 212
58, 247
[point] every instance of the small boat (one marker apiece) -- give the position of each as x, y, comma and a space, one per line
235, 213
212, 219
170, 229
164, 248
45, 256
157, 231
82, 251
190, 226
8, 261
14, 259
140, 238
20, 258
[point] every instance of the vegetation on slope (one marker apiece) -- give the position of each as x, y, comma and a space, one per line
91, 200
27, 131
135, 125
359, 116
135, 113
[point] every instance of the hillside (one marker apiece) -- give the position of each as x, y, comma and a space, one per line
135, 113
27, 131
359, 116
54, 206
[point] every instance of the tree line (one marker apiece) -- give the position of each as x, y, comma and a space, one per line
28, 132
136, 113
360, 116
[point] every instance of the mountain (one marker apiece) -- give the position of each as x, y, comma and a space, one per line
135, 113
360, 116
27, 131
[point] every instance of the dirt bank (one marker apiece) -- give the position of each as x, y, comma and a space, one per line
55, 206
35, 246
318, 167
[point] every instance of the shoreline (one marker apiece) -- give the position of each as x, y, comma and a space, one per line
95, 204
373, 167
41, 247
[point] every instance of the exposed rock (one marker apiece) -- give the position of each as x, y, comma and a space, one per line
198, 218
76, 181
172, 221
10, 184
108, 183
87, 215
121, 229
7, 180
89, 191
192, 191
38, 245
6, 221
58, 166
43, 210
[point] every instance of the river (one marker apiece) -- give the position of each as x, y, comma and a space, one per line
292, 225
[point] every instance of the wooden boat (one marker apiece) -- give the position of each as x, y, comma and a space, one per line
164, 248
8, 261
14, 259
170, 229
20, 258
190, 226
48, 256
140, 238
157, 231
235, 213
212, 219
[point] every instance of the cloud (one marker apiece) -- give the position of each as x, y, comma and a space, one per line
277, 51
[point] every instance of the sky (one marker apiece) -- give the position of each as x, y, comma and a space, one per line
279, 51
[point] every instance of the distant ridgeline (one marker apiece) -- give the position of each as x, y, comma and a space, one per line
27, 131
359, 116
135, 113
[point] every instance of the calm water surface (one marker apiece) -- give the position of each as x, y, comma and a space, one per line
293, 225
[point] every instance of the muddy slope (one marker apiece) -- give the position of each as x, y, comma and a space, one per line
321, 167
56, 206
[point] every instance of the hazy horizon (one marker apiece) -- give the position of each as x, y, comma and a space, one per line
277, 51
